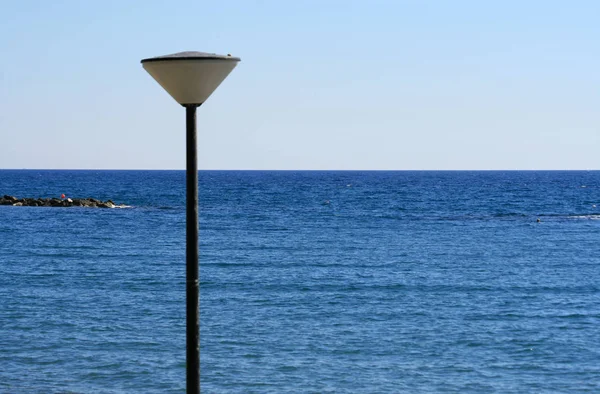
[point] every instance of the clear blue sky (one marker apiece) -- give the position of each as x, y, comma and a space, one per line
322, 84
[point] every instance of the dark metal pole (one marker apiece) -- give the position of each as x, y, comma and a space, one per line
192, 288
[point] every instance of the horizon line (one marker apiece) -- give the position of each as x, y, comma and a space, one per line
292, 170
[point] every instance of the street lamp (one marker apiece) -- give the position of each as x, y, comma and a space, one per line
190, 78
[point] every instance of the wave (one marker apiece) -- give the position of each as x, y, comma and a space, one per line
580, 215
492, 216
587, 216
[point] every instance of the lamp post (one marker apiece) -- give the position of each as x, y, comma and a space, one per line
190, 78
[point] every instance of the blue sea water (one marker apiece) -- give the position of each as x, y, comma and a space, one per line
317, 282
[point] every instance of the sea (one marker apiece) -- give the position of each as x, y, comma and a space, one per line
310, 282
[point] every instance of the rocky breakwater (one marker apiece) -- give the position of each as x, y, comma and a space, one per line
58, 202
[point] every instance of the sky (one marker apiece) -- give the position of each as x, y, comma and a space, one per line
322, 85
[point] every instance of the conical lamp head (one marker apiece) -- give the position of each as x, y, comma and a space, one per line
190, 77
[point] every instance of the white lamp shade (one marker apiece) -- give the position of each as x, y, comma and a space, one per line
190, 77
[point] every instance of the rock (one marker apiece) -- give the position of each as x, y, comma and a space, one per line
57, 202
